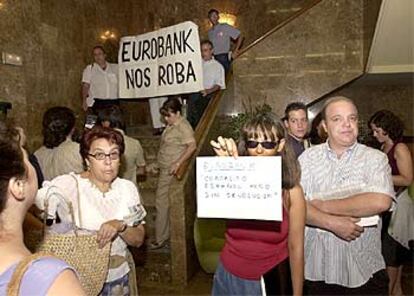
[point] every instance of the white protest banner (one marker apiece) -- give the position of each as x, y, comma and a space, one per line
242, 188
159, 63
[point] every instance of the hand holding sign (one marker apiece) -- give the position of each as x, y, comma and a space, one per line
225, 147
242, 188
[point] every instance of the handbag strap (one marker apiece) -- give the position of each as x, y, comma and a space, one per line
78, 201
14, 285
70, 206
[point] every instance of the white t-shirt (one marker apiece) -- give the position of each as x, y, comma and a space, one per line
213, 74
96, 207
103, 83
60, 160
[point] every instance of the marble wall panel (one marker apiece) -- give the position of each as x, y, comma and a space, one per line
312, 55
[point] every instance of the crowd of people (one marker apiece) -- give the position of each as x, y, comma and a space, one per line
339, 196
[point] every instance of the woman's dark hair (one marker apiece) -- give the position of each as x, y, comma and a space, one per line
172, 105
113, 115
391, 124
272, 129
100, 132
314, 136
11, 161
58, 122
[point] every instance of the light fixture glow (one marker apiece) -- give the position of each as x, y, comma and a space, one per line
228, 18
108, 35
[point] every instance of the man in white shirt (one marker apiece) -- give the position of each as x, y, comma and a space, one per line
214, 79
99, 82
347, 185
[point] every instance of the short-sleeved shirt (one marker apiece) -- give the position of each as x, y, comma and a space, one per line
133, 157
220, 35
96, 208
60, 160
359, 170
103, 83
39, 277
213, 74
174, 141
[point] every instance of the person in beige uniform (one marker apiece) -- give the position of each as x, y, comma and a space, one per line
177, 145
133, 161
59, 155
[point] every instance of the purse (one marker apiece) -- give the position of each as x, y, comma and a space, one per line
79, 250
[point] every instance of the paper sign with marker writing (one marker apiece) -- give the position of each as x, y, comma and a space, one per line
242, 188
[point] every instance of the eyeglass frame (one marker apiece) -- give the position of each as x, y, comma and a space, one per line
106, 155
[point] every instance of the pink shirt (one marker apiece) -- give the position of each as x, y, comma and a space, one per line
254, 247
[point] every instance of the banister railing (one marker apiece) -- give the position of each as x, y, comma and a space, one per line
202, 126
210, 112
279, 26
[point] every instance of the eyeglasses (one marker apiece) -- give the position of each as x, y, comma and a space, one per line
101, 156
265, 145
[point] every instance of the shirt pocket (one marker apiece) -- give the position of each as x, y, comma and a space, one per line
112, 78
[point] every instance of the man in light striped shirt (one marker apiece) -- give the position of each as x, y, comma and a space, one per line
347, 185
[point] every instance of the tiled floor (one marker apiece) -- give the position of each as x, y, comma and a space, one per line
200, 284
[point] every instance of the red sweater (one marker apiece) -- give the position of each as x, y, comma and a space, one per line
254, 247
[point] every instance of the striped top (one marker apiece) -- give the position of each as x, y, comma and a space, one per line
360, 169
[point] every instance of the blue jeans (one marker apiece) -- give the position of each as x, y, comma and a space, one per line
225, 283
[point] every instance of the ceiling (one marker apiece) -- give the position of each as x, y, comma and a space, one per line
392, 49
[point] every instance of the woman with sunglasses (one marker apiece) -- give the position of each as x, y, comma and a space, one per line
177, 145
108, 205
264, 252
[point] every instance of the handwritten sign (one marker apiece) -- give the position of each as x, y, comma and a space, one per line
242, 188
164, 62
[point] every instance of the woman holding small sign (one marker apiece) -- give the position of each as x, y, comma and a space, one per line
259, 256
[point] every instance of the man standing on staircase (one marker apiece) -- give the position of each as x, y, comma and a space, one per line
296, 122
99, 82
213, 80
221, 35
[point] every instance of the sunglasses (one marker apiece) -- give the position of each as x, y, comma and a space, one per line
265, 145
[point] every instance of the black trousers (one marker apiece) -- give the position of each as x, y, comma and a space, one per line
101, 104
377, 285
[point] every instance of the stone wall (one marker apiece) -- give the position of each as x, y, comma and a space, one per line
371, 93
54, 39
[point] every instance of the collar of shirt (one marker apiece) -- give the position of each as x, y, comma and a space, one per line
208, 61
119, 130
100, 68
176, 123
332, 154
296, 138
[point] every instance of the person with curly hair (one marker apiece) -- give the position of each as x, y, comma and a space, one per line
388, 129
59, 155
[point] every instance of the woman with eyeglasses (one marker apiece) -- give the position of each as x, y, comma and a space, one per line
108, 205
264, 256
177, 145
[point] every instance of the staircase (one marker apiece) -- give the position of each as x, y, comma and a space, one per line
309, 54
